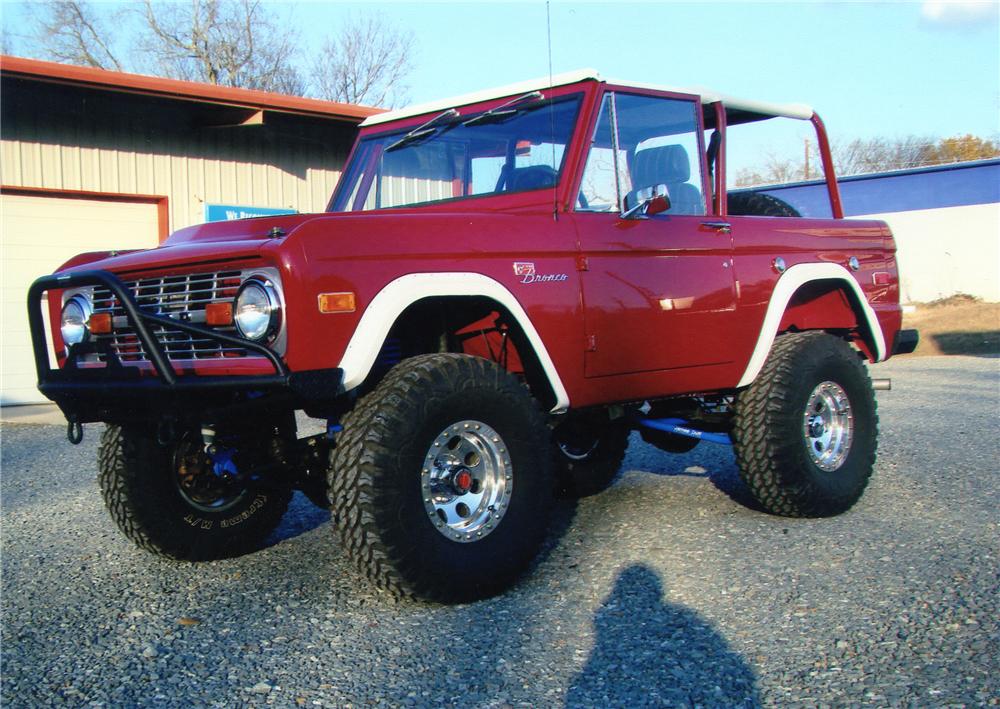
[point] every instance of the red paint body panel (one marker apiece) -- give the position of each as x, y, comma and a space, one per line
758, 241
667, 274
328, 255
635, 309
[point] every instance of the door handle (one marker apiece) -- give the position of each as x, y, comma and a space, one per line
721, 227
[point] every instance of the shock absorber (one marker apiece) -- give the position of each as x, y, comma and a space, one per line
208, 437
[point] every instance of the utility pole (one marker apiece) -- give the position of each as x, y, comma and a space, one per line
806, 140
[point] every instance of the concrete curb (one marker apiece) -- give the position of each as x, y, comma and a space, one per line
39, 414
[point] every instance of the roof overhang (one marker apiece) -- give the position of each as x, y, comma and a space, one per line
100, 79
758, 108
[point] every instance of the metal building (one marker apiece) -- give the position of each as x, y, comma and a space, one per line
945, 219
96, 160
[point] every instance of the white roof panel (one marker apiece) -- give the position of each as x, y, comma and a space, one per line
787, 110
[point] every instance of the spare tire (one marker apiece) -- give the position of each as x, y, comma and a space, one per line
758, 204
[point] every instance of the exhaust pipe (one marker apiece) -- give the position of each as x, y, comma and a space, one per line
882, 384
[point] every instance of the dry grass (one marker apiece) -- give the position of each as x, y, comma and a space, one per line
960, 324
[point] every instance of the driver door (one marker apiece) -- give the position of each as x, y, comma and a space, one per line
659, 291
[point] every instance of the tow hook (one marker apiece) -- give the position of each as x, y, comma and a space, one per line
74, 431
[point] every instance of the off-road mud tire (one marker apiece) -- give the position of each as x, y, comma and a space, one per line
376, 468
597, 463
758, 204
769, 440
134, 473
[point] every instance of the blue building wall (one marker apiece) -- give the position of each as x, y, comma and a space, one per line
957, 185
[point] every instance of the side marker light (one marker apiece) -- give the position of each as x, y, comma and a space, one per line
336, 303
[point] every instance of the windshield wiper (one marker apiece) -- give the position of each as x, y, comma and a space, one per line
422, 131
506, 110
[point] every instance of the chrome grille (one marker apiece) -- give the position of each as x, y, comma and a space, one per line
182, 298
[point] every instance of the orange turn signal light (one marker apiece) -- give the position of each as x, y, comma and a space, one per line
219, 314
336, 302
100, 323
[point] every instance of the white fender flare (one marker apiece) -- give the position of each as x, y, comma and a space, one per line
789, 282
390, 302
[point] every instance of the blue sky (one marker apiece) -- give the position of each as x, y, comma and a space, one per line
889, 69
868, 68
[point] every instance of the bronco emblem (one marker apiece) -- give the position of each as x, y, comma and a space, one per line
526, 271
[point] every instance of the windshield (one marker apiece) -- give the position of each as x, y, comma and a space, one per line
516, 149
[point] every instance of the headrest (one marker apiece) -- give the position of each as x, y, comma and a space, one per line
661, 165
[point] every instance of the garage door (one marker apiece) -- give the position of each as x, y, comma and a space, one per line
39, 234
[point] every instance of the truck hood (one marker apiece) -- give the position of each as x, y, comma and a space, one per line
238, 229
248, 239
202, 243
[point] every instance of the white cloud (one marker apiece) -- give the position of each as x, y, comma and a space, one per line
960, 13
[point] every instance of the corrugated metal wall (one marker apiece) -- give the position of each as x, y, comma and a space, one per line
63, 138
400, 191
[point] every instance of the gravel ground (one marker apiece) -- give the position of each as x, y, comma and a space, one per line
666, 590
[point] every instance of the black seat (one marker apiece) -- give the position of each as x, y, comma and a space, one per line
666, 165
534, 177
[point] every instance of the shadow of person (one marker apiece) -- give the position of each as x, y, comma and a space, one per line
650, 653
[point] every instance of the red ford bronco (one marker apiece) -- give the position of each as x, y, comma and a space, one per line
503, 287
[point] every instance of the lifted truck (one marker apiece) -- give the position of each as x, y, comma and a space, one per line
503, 287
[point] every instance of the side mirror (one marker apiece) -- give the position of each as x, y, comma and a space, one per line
649, 202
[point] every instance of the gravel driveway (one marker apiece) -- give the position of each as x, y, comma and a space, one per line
666, 590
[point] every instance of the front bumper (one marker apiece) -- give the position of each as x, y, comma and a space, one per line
120, 393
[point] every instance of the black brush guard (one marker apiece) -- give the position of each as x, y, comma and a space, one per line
118, 393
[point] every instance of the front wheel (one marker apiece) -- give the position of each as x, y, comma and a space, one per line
806, 431
441, 482
174, 501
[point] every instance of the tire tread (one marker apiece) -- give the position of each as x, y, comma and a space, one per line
763, 449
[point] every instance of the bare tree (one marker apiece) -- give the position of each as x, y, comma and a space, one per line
870, 155
241, 43
862, 156
364, 62
225, 42
71, 31
773, 171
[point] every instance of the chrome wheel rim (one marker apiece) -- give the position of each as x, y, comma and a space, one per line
828, 426
466, 481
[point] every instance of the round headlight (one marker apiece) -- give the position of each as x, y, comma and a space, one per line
75, 315
258, 310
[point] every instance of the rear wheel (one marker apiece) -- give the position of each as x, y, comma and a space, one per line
805, 432
175, 501
441, 482
589, 452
